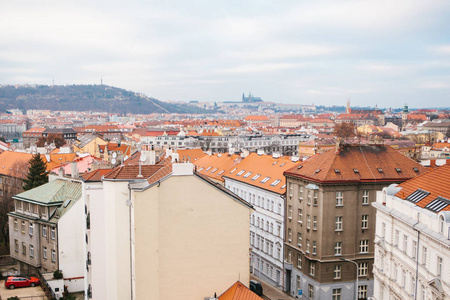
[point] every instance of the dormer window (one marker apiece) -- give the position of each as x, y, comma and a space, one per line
299, 167
337, 171
231, 172
275, 182
265, 180
380, 170
356, 170
247, 174
416, 169
317, 171
398, 170
256, 176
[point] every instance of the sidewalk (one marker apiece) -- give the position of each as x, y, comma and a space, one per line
271, 292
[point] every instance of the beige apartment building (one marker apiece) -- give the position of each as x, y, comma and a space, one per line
329, 218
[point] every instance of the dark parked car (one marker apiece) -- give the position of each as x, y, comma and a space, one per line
20, 281
256, 287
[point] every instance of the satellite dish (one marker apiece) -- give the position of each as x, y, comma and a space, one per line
114, 155
125, 158
143, 157
113, 161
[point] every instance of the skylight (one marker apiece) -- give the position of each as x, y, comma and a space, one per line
67, 202
438, 204
240, 173
275, 163
416, 169
380, 170
208, 168
265, 179
337, 171
256, 176
215, 169
398, 170
317, 171
233, 170
275, 182
299, 167
356, 170
221, 172
283, 186
417, 195
282, 164
200, 169
248, 174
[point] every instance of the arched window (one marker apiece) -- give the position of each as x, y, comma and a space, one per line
441, 224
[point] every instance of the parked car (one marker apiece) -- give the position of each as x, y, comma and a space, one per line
20, 281
256, 287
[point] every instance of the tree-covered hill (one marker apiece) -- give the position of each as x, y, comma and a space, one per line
86, 98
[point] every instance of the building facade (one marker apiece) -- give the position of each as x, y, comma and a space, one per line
412, 245
330, 222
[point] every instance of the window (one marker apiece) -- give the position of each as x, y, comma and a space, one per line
299, 286
362, 269
16, 225
365, 221
290, 212
403, 279
315, 202
16, 245
315, 223
439, 266
338, 224
271, 228
312, 268
53, 233
300, 192
307, 246
338, 248
289, 234
299, 239
441, 224
405, 243
299, 261
53, 255
288, 256
31, 251
396, 238
24, 249
31, 229
35, 208
308, 221
44, 230
300, 215
365, 198
314, 247
383, 230
337, 272
339, 199
364, 246
424, 255
309, 197
414, 250
27, 206
310, 291
362, 292
336, 294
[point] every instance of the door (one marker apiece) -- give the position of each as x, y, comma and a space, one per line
278, 277
288, 281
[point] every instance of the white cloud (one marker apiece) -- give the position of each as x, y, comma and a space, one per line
434, 85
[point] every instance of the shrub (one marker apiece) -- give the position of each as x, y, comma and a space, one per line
58, 274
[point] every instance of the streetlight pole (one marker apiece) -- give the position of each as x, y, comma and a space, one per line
356, 266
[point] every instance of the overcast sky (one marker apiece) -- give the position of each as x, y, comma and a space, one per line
384, 53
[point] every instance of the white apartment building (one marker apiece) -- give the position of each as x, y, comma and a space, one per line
412, 241
259, 180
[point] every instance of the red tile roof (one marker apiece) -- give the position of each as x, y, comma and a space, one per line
358, 163
128, 172
215, 166
190, 154
262, 171
238, 291
432, 185
95, 175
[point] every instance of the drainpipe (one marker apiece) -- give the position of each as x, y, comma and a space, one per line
417, 257
128, 203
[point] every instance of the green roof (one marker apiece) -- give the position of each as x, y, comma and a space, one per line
54, 192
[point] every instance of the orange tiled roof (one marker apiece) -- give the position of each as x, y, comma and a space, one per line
358, 163
190, 154
95, 175
9, 158
215, 166
256, 118
440, 146
430, 190
262, 171
238, 291
58, 159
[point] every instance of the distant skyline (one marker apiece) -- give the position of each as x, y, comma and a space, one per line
384, 53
